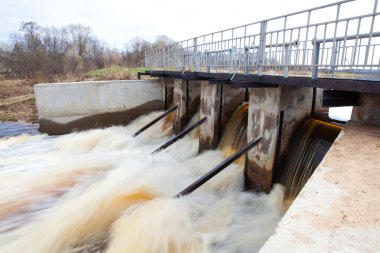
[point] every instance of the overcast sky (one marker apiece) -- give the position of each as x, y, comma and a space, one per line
116, 21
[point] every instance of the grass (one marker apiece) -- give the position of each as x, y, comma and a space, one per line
17, 102
18, 99
114, 72
7, 117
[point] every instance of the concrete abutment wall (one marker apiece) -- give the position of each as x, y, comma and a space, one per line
67, 107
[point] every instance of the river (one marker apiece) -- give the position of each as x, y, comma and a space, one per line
102, 191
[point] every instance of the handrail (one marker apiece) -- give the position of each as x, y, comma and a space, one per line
283, 45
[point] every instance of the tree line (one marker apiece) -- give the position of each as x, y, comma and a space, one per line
70, 50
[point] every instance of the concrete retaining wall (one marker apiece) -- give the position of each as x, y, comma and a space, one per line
64, 107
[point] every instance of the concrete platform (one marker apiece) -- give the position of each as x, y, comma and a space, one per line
338, 210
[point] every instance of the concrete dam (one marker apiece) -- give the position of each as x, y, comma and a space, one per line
224, 145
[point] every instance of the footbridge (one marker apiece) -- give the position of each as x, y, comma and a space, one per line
333, 42
282, 71
287, 68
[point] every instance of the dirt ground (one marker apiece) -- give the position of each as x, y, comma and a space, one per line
11, 107
17, 101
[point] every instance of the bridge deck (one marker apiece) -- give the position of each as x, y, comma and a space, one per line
250, 80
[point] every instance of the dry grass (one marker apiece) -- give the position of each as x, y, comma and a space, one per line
112, 73
25, 110
14, 88
13, 92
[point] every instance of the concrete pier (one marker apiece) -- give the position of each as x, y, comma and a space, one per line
368, 111
263, 120
218, 102
210, 108
265, 105
187, 96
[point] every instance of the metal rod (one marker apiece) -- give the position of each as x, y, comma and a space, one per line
154, 121
276, 173
351, 37
217, 169
220, 114
166, 97
187, 102
313, 102
179, 136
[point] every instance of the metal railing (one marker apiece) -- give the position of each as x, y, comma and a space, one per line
315, 42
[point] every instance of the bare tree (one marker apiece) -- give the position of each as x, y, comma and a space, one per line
73, 49
134, 54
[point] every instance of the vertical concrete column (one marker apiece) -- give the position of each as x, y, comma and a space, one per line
180, 98
318, 103
186, 95
210, 108
368, 113
296, 104
263, 120
167, 91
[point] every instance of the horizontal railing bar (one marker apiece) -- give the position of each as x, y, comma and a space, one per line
322, 23
270, 19
350, 37
274, 31
255, 49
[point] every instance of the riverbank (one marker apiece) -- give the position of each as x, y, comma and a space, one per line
17, 102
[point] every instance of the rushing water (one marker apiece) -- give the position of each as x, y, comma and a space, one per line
102, 191
15, 128
309, 147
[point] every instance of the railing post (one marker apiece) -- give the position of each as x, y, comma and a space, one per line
287, 61
182, 56
177, 61
196, 60
334, 58
261, 60
208, 67
370, 33
164, 58
231, 70
246, 52
315, 59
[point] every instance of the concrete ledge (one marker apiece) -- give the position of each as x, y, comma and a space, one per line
338, 209
64, 107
